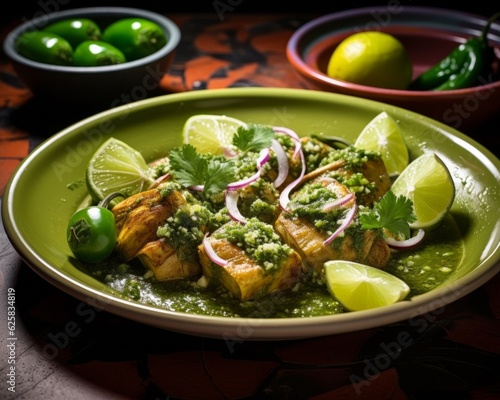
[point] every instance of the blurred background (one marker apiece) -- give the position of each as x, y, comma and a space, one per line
28, 8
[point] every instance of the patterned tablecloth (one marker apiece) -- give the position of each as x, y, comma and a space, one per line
67, 349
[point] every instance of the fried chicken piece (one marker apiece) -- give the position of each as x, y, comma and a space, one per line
243, 276
138, 218
353, 244
162, 259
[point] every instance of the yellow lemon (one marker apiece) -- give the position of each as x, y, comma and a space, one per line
371, 58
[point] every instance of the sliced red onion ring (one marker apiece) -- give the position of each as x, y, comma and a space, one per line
264, 156
244, 182
211, 253
292, 134
285, 193
283, 165
232, 206
338, 202
286, 131
345, 223
197, 188
229, 152
159, 180
406, 244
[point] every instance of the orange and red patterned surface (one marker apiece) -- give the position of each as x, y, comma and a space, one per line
14, 144
73, 350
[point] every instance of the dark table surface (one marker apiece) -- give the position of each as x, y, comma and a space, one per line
455, 354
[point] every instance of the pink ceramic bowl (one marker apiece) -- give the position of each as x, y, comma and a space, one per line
428, 35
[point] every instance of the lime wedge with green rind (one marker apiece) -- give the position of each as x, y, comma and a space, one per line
383, 135
427, 182
361, 287
117, 167
211, 133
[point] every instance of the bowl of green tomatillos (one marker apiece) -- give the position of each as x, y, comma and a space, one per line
95, 56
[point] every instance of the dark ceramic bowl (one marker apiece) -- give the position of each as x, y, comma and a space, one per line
104, 85
428, 34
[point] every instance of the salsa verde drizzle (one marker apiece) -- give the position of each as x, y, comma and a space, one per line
422, 269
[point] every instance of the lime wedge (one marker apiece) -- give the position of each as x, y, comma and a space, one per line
360, 287
383, 135
428, 183
117, 167
210, 133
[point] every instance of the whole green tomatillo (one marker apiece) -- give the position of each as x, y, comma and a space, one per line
75, 30
91, 232
91, 53
135, 37
44, 47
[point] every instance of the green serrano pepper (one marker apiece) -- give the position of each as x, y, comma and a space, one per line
461, 68
135, 37
76, 30
45, 47
93, 53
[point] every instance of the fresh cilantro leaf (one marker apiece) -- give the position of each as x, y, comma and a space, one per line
392, 213
192, 168
253, 138
219, 174
187, 166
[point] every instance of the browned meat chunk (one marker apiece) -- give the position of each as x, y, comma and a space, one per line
138, 218
243, 276
162, 259
375, 172
364, 174
364, 246
299, 231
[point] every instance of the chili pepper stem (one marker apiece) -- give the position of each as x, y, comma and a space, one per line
104, 203
73, 235
486, 28
333, 141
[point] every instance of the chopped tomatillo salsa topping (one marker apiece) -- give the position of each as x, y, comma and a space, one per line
257, 239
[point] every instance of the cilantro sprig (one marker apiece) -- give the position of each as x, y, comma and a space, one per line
253, 138
191, 168
392, 213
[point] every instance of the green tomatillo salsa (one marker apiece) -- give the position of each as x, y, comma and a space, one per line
422, 269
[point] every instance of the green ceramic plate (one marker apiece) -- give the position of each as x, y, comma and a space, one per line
42, 194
